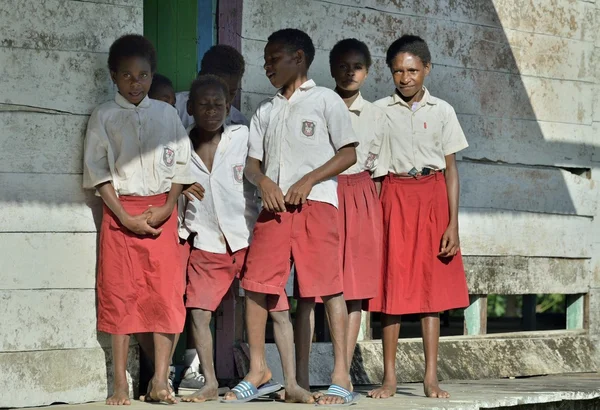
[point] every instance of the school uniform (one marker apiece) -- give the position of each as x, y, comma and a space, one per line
292, 138
415, 208
141, 150
235, 116
359, 207
221, 224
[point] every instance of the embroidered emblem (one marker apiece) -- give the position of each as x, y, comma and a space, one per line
168, 156
238, 173
370, 162
308, 128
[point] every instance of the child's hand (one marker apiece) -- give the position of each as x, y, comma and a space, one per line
138, 224
194, 191
157, 214
298, 192
450, 242
271, 195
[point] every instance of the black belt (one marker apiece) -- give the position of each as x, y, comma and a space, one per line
424, 172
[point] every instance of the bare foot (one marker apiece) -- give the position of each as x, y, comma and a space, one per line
384, 392
255, 377
206, 393
344, 382
432, 390
159, 392
280, 395
296, 394
120, 396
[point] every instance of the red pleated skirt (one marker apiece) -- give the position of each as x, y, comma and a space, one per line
140, 283
360, 235
415, 279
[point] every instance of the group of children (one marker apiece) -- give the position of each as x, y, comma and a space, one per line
362, 198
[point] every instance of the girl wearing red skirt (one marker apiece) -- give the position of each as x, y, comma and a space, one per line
137, 157
422, 265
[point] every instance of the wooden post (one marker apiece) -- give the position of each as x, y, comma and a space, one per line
476, 316
529, 311
575, 311
364, 332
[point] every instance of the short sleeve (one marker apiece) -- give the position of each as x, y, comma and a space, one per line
339, 123
182, 173
257, 135
453, 137
96, 169
380, 128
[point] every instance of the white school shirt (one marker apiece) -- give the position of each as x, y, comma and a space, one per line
296, 136
419, 136
370, 124
141, 149
181, 99
229, 209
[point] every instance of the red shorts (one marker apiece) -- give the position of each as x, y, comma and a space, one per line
210, 276
140, 281
307, 235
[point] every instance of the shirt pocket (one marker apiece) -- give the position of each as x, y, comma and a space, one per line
235, 173
165, 158
306, 129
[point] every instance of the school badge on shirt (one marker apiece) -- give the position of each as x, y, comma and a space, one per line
168, 156
308, 128
238, 173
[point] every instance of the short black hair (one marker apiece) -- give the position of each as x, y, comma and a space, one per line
414, 45
350, 44
294, 40
131, 45
222, 59
158, 81
206, 80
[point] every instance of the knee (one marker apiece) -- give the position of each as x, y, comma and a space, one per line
201, 317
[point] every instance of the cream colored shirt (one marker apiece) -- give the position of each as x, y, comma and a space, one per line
229, 210
370, 124
181, 100
296, 136
141, 149
419, 136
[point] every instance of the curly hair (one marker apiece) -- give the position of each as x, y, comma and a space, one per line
294, 40
414, 45
222, 59
207, 80
158, 81
350, 44
131, 45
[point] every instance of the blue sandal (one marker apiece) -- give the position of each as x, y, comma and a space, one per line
349, 397
246, 391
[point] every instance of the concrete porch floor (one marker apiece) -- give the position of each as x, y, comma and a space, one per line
582, 390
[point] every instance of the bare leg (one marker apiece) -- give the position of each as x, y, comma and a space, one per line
284, 338
256, 323
200, 329
430, 326
337, 318
159, 386
354, 317
304, 328
391, 330
146, 342
120, 348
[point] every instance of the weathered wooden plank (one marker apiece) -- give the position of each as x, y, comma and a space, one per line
48, 260
48, 319
67, 376
575, 311
476, 316
527, 189
486, 232
41, 143
47, 203
73, 82
56, 24
462, 357
517, 275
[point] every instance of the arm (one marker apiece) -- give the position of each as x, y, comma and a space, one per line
137, 224
271, 194
341, 161
450, 240
158, 214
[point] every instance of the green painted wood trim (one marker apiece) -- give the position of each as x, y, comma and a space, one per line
575, 311
476, 315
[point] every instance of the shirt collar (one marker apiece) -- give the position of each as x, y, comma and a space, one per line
122, 101
358, 104
427, 99
307, 85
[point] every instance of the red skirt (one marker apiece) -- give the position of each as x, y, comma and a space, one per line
360, 235
140, 282
415, 280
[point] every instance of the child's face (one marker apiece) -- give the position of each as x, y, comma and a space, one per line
409, 72
133, 78
233, 82
282, 66
350, 71
164, 93
209, 108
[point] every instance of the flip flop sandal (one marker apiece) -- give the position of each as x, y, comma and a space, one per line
349, 397
244, 392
